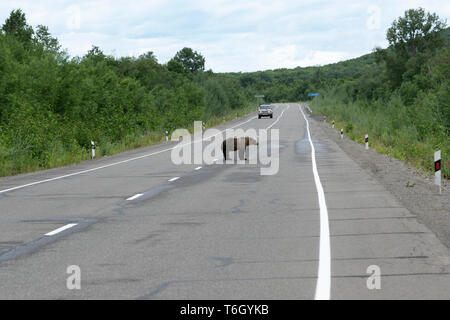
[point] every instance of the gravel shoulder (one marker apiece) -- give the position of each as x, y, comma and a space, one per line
414, 190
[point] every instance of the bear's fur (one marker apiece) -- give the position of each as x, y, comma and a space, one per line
237, 144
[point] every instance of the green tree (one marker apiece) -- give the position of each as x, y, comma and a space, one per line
44, 37
190, 60
175, 66
412, 39
415, 32
95, 54
16, 25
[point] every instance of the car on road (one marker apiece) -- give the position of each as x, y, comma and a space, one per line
265, 110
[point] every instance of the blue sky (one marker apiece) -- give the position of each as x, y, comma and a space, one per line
232, 35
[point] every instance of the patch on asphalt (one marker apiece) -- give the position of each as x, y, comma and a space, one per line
303, 146
237, 208
223, 261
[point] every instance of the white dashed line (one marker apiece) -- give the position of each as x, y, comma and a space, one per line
67, 226
278, 119
196, 169
135, 197
116, 163
174, 179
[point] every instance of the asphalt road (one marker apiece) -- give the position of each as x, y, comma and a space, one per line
219, 231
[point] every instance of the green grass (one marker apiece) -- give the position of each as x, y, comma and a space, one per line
16, 161
13, 162
388, 134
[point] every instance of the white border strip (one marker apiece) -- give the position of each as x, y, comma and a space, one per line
323, 286
135, 197
67, 226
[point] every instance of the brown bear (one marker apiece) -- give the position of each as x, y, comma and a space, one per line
237, 144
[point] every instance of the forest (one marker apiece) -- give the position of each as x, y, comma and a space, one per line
52, 105
403, 100
400, 95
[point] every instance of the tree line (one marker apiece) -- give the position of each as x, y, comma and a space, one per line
403, 99
399, 95
52, 105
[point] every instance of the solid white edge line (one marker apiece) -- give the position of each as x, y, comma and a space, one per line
67, 226
135, 197
115, 163
323, 286
174, 179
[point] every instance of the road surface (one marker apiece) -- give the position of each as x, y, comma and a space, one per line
140, 227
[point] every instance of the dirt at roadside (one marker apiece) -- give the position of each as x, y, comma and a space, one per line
414, 190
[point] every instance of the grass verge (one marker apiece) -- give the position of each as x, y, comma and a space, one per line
14, 162
387, 135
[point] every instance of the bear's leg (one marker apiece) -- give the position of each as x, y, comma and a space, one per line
242, 153
224, 150
246, 148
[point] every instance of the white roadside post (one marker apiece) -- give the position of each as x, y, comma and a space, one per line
332, 125
437, 170
167, 136
367, 142
93, 149
342, 133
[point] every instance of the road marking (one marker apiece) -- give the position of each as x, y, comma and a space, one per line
323, 286
196, 169
116, 163
67, 226
128, 160
278, 119
135, 197
174, 179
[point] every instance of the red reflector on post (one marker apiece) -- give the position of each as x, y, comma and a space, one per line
437, 166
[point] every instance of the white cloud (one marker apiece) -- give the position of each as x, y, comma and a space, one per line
232, 35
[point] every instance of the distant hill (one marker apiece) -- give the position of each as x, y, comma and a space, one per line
351, 68
344, 69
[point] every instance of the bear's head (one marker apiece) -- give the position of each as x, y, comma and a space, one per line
250, 141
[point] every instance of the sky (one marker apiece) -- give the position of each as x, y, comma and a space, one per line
242, 35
